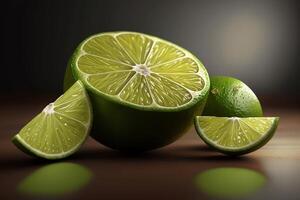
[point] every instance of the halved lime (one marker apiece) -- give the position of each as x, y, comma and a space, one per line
60, 129
134, 81
236, 136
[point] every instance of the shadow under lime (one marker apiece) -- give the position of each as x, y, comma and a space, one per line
55, 180
230, 182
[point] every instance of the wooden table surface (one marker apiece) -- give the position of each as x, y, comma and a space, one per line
166, 173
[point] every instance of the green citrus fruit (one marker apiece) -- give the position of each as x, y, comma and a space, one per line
233, 135
144, 90
60, 129
230, 97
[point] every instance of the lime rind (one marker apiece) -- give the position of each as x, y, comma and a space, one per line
26, 148
31, 149
21, 147
237, 150
196, 96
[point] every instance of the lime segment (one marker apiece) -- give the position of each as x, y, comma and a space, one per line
60, 129
137, 46
235, 135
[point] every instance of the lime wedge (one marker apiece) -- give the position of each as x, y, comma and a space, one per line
60, 129
134, 81
236, 136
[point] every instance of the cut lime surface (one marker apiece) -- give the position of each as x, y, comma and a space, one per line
140, 70
230, 97
134, 80
235, 135
60, 129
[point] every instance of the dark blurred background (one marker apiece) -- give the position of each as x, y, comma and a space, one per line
256, 41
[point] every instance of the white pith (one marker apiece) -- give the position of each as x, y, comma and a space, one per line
142, 69
49, 109
233, 118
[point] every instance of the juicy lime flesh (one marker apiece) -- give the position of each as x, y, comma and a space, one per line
230, 97
61, 127
235, 133
140, 69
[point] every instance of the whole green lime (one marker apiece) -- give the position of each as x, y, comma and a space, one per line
144, 91
230, 97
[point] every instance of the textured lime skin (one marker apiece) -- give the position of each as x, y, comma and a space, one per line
128, 128
230, 97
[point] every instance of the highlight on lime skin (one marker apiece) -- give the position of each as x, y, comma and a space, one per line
229, 182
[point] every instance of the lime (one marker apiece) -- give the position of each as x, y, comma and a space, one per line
230, 182
145, 91
60, 129
230, 97
236, 136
